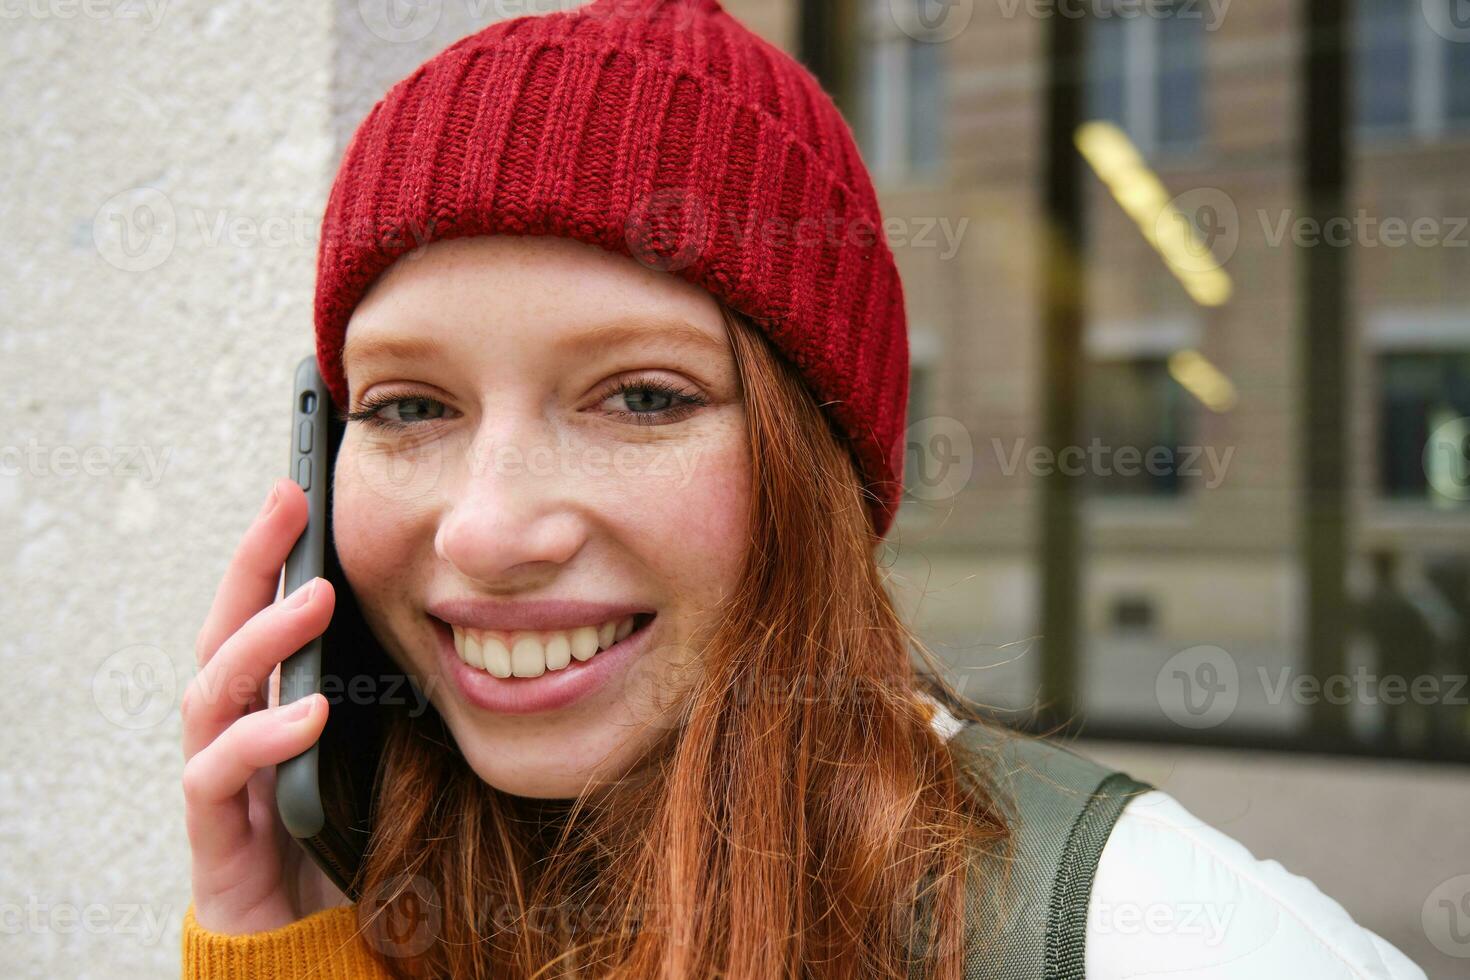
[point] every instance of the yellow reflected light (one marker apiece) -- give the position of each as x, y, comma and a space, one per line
1141, 194
1203, 380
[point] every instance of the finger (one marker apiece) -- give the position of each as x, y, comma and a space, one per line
269, 693
229, 685
216, 810
251, 578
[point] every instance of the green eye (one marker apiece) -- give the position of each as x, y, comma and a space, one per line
410, 410
653, 401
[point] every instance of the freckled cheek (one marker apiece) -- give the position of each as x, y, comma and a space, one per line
375, 528
692, 523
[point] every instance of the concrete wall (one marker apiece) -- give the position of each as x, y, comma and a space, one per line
165, 169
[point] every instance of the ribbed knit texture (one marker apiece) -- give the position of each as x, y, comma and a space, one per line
659, 129
323, 946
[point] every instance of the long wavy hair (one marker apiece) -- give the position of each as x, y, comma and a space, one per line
800, 818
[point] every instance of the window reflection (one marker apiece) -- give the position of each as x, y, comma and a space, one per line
1199, 585
1146, 73
1139, 417
1425, 402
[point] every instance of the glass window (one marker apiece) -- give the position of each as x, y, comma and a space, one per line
1384, 78
880, 136
1107, 67
1136, 421
1412, 69
1181, 60
926, 105
1424, 441
1145, 69
1183, 601
902, 83
1457, 78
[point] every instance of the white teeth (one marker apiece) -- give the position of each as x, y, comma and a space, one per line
532, 654
527, 657
584, 642
497, 657
472, 652
558, 651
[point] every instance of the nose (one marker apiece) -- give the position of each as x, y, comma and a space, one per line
513, 514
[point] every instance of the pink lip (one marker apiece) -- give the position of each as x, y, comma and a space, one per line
529, 614
552, 690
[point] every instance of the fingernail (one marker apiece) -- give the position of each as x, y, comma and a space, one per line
299, 709
271, 501
302, 595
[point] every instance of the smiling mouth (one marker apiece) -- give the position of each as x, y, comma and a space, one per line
531, 653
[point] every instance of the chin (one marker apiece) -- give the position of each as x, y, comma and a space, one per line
521, 765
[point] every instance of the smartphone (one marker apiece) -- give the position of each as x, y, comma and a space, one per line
323, 795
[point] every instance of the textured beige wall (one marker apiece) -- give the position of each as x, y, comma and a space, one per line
165, 168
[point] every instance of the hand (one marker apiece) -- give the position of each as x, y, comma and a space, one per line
248, 875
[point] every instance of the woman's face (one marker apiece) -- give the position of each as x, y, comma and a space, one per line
560, 446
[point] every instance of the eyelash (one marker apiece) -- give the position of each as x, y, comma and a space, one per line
685, 404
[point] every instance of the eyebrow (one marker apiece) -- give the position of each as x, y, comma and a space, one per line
629, 331
626, 331
389, 348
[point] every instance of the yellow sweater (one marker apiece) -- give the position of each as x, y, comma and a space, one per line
325, 945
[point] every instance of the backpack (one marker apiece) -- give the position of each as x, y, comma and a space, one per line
1061, 808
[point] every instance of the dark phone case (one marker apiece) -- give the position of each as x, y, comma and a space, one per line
323, 794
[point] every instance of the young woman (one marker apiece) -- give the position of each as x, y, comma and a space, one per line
624, 366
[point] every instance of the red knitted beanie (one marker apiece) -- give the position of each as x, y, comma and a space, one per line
663, 130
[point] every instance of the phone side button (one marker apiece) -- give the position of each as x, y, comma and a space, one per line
303, 473
303, 437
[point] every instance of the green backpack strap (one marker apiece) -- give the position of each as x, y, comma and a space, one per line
1026, 915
